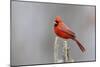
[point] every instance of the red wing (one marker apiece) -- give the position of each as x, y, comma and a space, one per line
66, 29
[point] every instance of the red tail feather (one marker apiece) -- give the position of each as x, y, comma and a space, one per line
80, 45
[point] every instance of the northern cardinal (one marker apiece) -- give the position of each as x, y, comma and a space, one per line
63, 31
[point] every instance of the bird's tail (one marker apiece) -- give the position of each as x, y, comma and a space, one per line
79, 44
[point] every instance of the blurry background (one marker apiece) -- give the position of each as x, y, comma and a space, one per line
32, 37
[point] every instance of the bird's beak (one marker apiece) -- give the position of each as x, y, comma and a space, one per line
54, 23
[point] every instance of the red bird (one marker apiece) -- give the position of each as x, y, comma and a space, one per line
65, 32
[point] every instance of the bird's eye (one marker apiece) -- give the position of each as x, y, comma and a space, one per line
56, 21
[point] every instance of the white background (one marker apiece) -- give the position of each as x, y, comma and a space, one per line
5, 33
